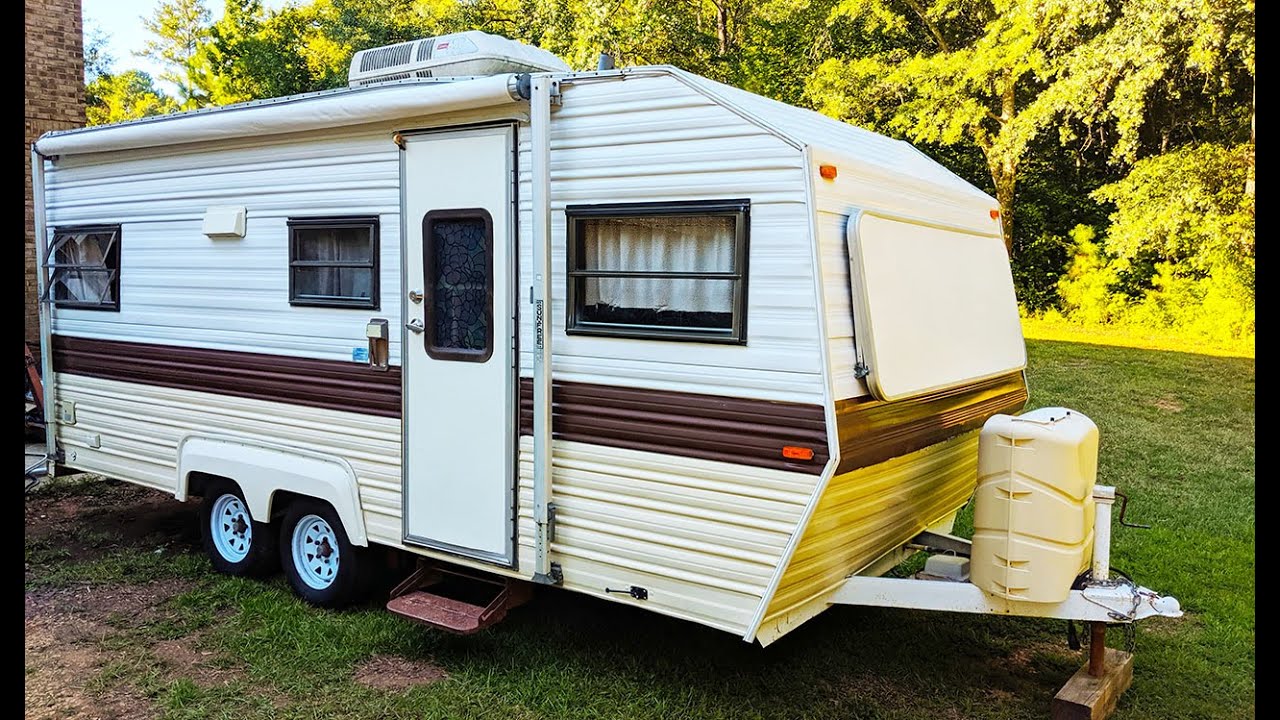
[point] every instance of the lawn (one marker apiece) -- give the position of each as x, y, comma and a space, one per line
124, 618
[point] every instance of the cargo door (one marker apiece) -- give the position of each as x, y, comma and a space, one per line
934, 307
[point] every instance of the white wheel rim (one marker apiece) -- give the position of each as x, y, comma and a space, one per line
231, 527
315, 552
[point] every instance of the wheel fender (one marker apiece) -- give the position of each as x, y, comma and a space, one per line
261, 469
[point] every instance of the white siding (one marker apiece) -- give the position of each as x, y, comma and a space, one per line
179, 287
651, 139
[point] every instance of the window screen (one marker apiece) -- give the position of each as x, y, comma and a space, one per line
670, 271
334, 262
84, 265
457, 258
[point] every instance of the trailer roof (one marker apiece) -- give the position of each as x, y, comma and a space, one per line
425, 96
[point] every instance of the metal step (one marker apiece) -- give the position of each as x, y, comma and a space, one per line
424, 597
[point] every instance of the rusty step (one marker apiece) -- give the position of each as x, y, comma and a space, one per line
452, 601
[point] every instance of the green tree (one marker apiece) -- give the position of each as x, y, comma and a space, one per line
125, 96
957, 71
97, 59
179, 27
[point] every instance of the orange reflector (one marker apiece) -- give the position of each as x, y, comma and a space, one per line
995, 214
828, 172
791, 452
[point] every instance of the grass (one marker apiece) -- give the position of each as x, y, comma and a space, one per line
1177, 436
1041, 328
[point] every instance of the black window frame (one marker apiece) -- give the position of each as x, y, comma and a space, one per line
372, 223
112, 257
739, 209
434, 350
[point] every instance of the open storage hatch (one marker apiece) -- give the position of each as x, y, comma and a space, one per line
933, 307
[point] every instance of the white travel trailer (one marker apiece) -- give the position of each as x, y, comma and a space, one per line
632, 332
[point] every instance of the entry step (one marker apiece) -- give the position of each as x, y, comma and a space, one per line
451, 603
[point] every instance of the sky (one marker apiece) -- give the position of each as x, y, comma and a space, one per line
122, 21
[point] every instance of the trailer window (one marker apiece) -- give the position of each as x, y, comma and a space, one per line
665, 271
333, 262
458, 267
84, 267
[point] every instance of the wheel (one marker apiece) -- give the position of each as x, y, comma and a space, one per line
233, 540
322, 565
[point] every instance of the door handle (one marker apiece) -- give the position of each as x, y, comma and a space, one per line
415, 325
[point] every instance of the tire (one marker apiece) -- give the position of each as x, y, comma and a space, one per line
321, 564
235, 543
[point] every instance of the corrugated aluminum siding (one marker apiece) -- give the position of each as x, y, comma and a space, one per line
140, 426
870, 511
654, 139
180, 287
703, 537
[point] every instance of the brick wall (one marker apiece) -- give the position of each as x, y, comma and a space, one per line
54, 101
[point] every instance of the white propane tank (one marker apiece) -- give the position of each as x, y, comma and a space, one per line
1034, 507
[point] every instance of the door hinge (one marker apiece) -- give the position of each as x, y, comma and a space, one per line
861, 370
551, 522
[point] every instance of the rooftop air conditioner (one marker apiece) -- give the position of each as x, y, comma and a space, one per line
465, 54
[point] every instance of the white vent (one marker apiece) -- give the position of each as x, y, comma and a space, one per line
465, 54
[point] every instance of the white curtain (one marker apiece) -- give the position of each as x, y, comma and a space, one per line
86, 250
662, 244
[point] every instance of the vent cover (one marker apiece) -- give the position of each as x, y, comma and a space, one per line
465, 54
385, 57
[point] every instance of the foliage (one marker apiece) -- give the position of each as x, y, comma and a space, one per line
126, 96
1186, 220
178, 29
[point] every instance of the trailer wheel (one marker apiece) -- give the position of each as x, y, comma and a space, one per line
235, 543
322, 565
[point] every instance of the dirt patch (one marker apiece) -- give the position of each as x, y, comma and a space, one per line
185, 656
63, 654
101, 605
389, 672
1168, 403
101, 515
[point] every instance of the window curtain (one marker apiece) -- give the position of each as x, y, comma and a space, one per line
85, 250
660, 244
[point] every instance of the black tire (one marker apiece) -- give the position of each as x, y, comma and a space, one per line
347, 576
259, 558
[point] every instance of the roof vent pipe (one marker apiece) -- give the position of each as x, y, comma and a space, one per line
605, 62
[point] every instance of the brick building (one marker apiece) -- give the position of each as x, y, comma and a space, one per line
54, 101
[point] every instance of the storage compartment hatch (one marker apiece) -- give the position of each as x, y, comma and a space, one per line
933, 308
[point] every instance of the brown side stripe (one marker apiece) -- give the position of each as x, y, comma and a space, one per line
332, 384
872, 431
710, 427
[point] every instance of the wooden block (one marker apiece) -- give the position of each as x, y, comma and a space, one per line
1085, 697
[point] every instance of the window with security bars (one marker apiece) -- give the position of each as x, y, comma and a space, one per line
333, 262
84, 267
663, 271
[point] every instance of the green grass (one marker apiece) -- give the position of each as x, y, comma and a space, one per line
1177, 436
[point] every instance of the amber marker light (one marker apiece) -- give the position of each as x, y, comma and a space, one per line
995, 214
828, 172
791, 452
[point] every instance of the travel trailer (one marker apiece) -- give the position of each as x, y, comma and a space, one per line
629, 332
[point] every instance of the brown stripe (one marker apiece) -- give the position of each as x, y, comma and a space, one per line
872, 431
711, 427
332, 384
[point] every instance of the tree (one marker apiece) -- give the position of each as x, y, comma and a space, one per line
957, 71
179, 28
126, 96
97, 59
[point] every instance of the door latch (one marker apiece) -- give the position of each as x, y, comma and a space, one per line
416, 325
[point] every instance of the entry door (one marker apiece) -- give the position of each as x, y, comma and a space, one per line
458, 352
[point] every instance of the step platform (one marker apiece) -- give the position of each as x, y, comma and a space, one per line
456, 602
